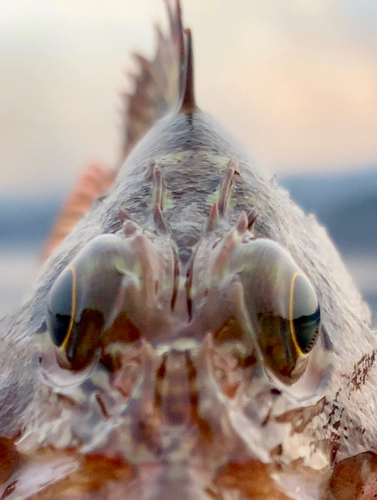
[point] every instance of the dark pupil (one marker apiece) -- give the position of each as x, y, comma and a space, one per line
60, 307
306, 314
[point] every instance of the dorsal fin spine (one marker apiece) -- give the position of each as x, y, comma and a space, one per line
188, 104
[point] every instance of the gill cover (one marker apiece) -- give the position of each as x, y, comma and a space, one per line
83, 301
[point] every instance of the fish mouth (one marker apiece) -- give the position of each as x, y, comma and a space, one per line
62, 475
149, 402
67, 475
179, 420
175, 420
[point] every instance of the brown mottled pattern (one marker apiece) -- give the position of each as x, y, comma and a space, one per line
156, 88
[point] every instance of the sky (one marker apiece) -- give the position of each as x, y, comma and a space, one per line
296, 80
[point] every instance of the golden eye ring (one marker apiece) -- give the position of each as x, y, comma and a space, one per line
62, 307
303, 341
73, 308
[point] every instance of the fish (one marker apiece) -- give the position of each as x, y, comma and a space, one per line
195, 336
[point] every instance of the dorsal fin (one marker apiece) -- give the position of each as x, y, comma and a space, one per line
94, 181
187, 85
162, 84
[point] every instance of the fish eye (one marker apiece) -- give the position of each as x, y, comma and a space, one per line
282, 305
74, 322
83, 302
62, 307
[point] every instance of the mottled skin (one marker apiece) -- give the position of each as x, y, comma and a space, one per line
193, 152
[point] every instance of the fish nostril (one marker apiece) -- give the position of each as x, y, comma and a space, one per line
275, 392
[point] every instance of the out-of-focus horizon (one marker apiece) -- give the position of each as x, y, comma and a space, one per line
295, 80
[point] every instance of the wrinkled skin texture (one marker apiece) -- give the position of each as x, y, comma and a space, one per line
166, 425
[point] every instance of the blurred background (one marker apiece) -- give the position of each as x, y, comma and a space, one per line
295, 80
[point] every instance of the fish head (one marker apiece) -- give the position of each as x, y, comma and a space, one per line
200, 366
